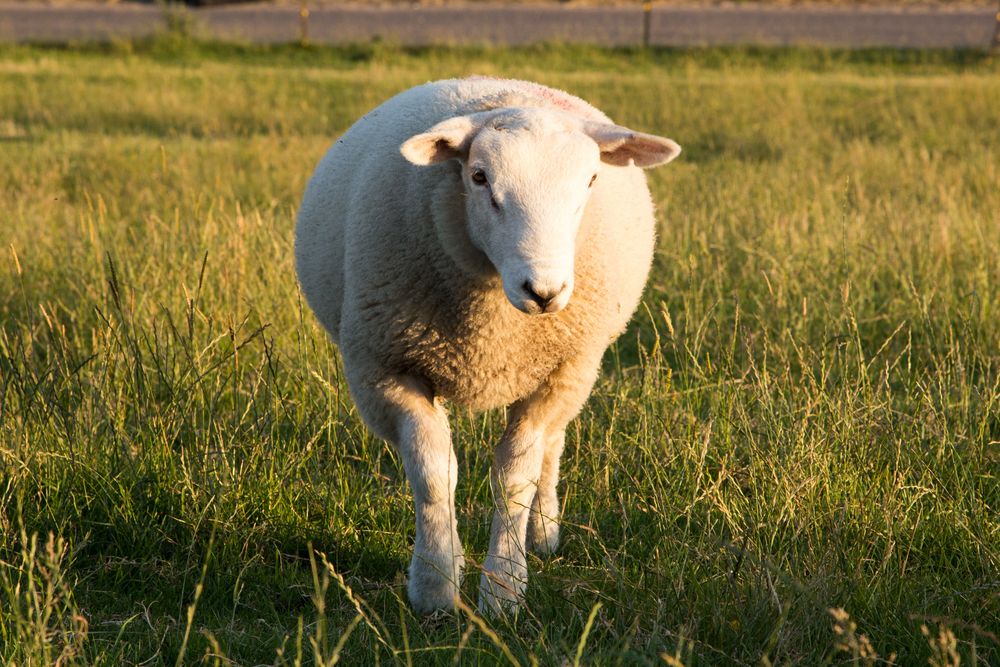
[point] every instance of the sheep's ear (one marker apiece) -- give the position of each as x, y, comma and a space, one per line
621, 146
448, 140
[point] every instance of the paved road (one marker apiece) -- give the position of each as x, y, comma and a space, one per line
676, 26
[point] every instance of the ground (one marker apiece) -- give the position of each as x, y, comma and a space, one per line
803, 417
847, 24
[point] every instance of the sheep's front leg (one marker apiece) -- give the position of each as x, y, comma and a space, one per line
432, 470
525, 464
517, 465
403, 410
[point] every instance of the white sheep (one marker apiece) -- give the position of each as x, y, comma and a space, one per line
480, 241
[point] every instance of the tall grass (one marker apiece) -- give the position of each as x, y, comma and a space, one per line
791, 457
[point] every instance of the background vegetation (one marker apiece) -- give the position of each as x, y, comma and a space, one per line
803, 417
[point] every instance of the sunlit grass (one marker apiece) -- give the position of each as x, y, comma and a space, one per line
804, 415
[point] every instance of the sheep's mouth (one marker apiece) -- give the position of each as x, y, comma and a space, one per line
529, 307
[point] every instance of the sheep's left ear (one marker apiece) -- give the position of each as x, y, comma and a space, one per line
448, 140
621, 146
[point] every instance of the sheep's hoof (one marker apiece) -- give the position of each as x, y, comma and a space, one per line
434, 583
543, 535
498, 596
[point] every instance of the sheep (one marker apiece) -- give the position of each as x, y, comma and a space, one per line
479, 241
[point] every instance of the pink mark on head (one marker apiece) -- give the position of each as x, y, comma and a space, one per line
556, 98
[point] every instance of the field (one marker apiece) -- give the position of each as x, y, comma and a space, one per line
792, 457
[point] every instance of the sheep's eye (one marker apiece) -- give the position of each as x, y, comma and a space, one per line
592, 179
479, 177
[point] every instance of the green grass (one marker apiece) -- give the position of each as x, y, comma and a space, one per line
803, 416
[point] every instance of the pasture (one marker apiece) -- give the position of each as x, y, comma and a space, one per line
804, 415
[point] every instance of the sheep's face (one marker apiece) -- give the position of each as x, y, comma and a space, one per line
528, 175
526, 189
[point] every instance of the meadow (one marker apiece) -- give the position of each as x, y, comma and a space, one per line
792, 456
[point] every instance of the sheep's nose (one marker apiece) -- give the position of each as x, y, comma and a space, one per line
543, 296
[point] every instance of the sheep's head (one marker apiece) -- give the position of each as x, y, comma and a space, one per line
528, 174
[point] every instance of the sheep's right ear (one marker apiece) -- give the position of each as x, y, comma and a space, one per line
448, 140
621, 146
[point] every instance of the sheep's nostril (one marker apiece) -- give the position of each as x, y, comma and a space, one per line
542, 296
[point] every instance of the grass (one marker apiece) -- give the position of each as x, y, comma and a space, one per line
803, 417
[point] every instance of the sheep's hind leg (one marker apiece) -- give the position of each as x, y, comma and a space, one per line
520, 470
403, 410
543, 522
